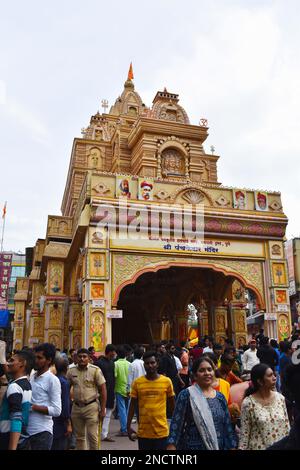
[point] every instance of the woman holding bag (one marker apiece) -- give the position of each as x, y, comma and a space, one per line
201, 419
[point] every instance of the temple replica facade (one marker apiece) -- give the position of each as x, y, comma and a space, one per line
84, 276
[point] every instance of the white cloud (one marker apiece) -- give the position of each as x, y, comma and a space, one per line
27, 119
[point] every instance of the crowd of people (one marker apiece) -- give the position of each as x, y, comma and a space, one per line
166, 396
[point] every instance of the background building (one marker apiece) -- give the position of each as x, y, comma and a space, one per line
12, 265
292, 248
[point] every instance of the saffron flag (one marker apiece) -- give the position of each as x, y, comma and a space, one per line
4, 211
130, 73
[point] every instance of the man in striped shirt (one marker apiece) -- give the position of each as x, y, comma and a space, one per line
15, 407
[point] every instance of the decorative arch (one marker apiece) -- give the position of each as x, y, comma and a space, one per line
227, 271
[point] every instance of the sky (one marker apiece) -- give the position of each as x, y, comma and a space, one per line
235, 63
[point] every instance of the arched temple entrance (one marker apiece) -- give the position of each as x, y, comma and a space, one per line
155, 305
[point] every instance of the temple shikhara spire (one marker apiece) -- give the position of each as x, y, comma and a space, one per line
153, 158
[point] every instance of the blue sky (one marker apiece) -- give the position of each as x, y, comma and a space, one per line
232, 62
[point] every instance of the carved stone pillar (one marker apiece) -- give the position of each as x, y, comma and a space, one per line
238, 314
54, 322
220, 324
19, 322
204, 323
76, 317
36, 328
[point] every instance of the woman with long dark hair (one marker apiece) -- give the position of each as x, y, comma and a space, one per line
201, 419
264, 418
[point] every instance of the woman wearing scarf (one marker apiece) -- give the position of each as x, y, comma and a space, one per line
201, 419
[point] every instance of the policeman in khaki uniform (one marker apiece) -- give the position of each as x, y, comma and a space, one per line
87, 382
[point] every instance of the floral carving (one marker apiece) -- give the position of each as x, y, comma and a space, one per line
162, 195
213, 225
222, 201
101, 189
275, 206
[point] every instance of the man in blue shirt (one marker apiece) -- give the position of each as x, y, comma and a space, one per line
62, 428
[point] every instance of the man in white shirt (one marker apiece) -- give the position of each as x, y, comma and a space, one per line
136, 368
46, 399
208, 344
249, 358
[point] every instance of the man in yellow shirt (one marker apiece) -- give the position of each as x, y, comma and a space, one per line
152, 392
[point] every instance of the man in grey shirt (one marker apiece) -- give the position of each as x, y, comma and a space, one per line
46, 399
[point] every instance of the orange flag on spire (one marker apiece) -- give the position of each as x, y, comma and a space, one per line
4, 211
130, 73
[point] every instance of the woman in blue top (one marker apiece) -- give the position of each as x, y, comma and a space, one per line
201, 419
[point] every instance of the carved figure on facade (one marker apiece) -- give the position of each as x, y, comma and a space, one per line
240, 322
172, 163
55, 317
62, 227
98, 133
38, 324
238, 291
220, 322
77, 341
77, 318
276, 250
55, 340
95, 158
97, 237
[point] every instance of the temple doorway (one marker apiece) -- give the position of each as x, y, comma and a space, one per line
157, 306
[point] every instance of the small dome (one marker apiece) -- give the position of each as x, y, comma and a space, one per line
166, 107
129, 103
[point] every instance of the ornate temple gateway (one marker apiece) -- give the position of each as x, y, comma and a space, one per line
136, 160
